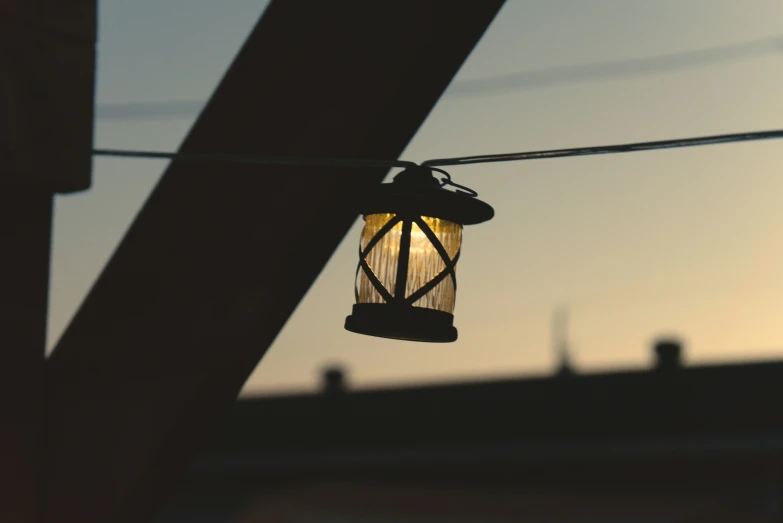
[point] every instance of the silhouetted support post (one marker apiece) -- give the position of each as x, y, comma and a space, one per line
25, 233
47, 73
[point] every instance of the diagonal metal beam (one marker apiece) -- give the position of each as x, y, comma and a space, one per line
220, 255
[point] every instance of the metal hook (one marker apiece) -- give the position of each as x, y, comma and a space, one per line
447, 181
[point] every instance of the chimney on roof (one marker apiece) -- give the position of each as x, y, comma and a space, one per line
668, 354
333, 380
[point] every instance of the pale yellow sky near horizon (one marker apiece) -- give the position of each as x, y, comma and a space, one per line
684, 241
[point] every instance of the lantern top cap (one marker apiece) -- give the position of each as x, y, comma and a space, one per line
416, 191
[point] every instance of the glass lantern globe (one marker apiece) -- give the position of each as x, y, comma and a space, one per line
406, 280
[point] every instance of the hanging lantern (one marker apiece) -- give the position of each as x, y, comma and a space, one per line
406, 279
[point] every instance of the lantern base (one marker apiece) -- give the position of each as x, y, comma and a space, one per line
402, 323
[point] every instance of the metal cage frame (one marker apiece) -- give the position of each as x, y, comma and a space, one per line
414, 195
404, 259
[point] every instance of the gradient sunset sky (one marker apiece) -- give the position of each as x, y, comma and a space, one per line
688, 242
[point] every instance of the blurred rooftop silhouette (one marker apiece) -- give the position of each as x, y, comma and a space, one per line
700, 442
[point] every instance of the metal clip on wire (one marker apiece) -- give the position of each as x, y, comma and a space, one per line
447, 181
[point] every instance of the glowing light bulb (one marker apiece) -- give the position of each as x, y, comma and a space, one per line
424, 261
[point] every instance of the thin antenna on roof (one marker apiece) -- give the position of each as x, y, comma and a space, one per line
560, 344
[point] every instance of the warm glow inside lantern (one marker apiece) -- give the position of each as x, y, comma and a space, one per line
406, 280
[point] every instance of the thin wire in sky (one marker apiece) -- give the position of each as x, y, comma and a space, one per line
609, 149
511, 82
602, 70
253, 159
444, 162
